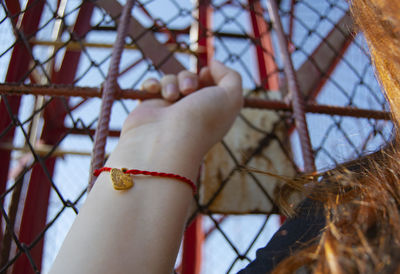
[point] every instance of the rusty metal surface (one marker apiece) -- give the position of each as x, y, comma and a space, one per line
225, 188
252, 102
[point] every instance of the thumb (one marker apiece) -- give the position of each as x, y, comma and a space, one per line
228, 79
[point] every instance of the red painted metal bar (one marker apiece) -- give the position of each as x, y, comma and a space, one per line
34, 217
267, 68
313, 73
161, 57
36, 203
294, 91
14, 8
192, 247
312, 94
7, 241
18, 66
203, 27
194, 234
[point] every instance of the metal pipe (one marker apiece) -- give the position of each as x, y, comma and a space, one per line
88, 92
78, 46
44, 150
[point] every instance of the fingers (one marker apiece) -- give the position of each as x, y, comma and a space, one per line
225, 77
151, 85
205, 78
188, 82
171, 86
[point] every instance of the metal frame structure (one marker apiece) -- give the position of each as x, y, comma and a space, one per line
34, 215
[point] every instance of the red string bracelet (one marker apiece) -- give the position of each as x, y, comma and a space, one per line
121, 179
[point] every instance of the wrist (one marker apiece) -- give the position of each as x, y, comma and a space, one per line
155, 153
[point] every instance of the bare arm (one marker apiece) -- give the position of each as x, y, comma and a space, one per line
139, 230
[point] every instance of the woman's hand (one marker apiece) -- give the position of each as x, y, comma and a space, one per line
187, 128
140, 229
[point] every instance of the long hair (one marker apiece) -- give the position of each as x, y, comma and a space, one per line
362, 204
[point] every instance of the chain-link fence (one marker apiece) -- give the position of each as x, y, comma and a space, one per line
55, 56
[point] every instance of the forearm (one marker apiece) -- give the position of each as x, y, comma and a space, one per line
139, 230
135, 230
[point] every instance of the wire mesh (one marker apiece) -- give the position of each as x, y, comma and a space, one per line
67, 44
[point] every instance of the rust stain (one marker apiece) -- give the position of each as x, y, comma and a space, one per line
253, 145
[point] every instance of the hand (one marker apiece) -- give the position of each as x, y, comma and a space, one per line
189, 127
115, 228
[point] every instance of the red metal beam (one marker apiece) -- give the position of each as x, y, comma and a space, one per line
162, 58
267, 68
18, 67
37, 199
14, 8
14, 13
192, 247
313, 73
204, 39
194, 235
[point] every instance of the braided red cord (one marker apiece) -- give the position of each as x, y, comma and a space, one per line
152, 173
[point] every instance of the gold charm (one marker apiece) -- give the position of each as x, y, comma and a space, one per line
121, 180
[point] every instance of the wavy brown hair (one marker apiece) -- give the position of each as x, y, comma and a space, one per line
362, 198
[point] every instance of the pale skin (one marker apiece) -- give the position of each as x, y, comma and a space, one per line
139, 230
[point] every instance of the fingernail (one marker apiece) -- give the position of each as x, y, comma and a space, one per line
170, 90
188, 84
152, 86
